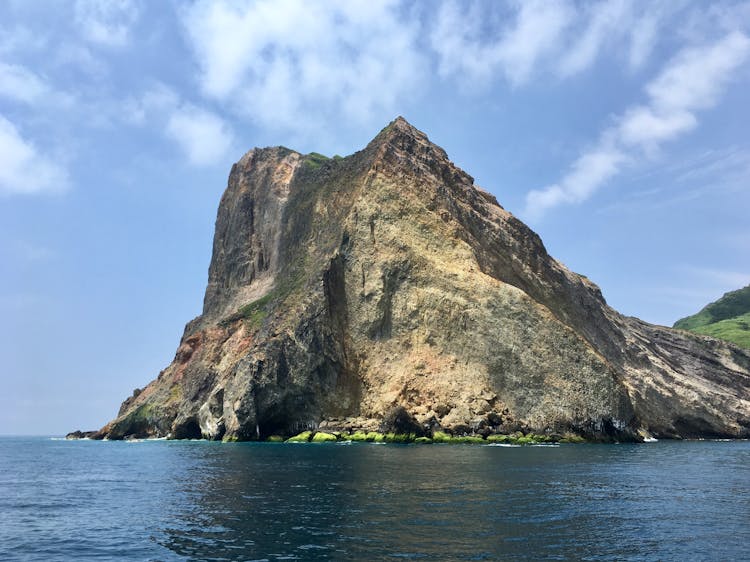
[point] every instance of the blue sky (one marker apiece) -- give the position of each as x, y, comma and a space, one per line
617, 130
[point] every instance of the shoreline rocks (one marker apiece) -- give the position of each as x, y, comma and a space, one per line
78, 434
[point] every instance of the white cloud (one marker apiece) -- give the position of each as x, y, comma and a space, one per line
204, 137
476, 42
20, 84
21, 39
643, 37
106, 22
158, 101
646, 126
80, 57
23, 170
696, 77
604, 22
631, 28
691, 81
294, 64
536, 29
585, 176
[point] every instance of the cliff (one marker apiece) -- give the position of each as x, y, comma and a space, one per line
343, 290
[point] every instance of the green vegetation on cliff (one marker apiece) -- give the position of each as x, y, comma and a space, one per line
254, 312
728, 318
315, 160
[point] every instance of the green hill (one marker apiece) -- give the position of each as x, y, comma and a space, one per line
728, 318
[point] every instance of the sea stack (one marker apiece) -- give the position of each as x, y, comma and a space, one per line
347, 293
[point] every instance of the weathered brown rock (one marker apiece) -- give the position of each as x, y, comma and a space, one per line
342, 290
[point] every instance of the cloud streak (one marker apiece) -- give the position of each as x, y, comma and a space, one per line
477, 42
692, 81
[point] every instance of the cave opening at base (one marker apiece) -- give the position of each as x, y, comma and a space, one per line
190, 429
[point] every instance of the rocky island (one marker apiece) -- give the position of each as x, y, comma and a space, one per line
384, 291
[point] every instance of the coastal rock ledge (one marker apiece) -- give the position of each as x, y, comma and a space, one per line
348, 294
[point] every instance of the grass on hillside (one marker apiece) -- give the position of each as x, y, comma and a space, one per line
736, 330
731, 305
315, 160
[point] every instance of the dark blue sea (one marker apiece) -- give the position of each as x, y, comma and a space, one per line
160, 500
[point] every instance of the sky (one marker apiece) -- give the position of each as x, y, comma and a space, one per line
617, 130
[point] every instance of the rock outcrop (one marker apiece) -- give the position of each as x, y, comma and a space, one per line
386, 289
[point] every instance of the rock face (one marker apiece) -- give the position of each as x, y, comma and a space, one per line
386, 288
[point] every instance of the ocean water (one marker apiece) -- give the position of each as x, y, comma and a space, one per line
160, 500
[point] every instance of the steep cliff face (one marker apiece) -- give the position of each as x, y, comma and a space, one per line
340, 289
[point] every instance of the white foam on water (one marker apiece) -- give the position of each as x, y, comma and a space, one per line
501, 445
650, 440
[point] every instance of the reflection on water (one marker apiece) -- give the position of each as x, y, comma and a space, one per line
210, 501
465, 503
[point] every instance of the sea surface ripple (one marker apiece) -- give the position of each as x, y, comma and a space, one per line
172, 500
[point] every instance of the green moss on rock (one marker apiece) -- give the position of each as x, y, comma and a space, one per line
519, 438
572, 438
303, 437
399, 437
441, 437
255, 312
469, 439
323, 437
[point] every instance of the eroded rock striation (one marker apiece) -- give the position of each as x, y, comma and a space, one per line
385, 287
